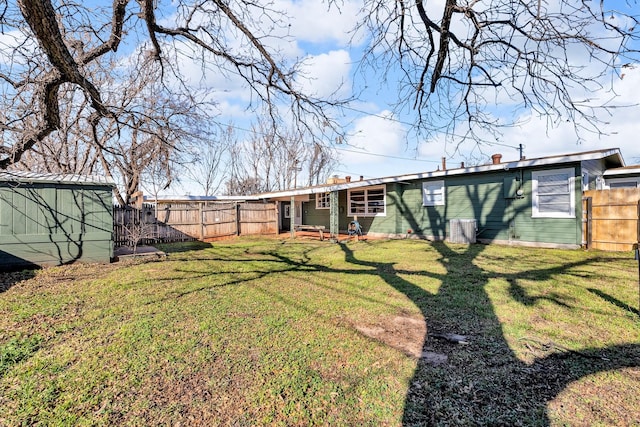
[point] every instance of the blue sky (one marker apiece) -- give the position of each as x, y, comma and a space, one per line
378, 143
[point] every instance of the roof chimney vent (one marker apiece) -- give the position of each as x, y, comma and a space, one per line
496, 158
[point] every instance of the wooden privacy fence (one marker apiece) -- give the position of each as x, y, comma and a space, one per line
611, 219
192, 221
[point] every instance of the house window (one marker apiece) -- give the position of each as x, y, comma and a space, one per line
367, 202
554, 193
623, 183
287, 211
433, 193
323, 201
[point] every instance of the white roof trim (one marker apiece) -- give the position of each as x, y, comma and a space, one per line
527, 163
623, 171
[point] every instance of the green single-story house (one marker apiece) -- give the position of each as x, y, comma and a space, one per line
535, 202
52, 219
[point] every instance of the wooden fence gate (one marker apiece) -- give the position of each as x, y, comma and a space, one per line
202, 221
611, 219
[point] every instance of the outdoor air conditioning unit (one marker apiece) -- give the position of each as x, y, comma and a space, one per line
462, 230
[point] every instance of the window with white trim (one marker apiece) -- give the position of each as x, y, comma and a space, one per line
367, 201
433, 193
623, 182
553, 193
323, 200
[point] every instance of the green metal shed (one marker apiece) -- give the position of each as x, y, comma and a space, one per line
53, 219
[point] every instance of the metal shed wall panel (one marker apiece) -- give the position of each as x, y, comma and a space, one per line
52, 223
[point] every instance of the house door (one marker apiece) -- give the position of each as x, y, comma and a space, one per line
285, 216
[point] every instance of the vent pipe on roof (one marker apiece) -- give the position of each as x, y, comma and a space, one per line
347, 178
462, 165
496, 159
444, 163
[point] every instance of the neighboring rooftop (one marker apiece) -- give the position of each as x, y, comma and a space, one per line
178, 198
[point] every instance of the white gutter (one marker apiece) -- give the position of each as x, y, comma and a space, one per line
544, 161
623, 171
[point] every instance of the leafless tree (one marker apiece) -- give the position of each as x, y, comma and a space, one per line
210, 163
139, 146
273, 160
322, 160
70, 149
457, 63
243, 186
52, 49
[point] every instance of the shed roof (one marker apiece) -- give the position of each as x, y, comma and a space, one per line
54, 178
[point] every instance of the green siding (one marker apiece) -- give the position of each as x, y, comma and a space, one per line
486, 197
44, 224
548, 230
489, 198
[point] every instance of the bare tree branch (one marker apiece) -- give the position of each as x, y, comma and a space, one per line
455, 62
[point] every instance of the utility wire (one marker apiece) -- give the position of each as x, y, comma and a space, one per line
380, 116
385, 155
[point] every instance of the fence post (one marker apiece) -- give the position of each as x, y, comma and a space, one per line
638, 224
587, 220
637, 251
276, 217
237, 214
201, 212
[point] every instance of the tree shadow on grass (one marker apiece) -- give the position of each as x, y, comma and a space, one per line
614, 301
484, 383
10, 278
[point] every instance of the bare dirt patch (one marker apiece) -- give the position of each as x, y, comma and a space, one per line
403, 333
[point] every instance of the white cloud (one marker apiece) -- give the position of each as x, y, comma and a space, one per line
621, 128
15, 46
313, 21
326, 75
372, 138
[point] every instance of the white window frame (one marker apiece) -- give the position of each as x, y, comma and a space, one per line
430, 191
535, 177
614, 181
323, 200
366, 202
287, 211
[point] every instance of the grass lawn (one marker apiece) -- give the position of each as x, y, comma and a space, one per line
270, 332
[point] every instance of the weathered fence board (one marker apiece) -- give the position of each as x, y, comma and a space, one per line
192, 221
220, 221
611, 218
258, 218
